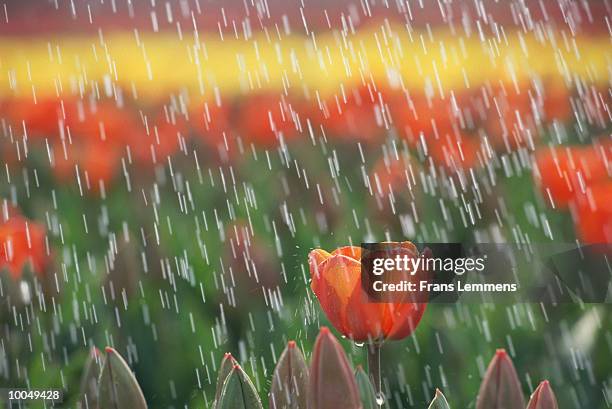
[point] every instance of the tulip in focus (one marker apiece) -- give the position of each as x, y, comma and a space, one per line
336, 281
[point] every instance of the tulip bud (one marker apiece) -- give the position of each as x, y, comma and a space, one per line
439, 401
500, 388
238, 392
89, 381
118, 387
227, 364
332, 384
290, 380
366, 389
543, 397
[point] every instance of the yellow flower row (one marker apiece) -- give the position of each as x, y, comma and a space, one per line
156, 64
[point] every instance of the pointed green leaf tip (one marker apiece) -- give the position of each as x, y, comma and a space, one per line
366, 389
543, 397
332, 383
439, 401
289, 388
238, 392
118, 388
500, 388
89, 380
227, 364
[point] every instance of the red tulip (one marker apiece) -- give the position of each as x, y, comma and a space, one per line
563, 172
158, 138
332, 384
42, 118
389, 176
455, 152
263, 119
22, 242
336, 281
557, 104
500, 388
212, 122
103, 121
97, 162
356, 114
593, 214
543, 397
416, 115
510, 118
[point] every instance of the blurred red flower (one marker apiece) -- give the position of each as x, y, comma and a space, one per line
455, 151
22, 242
211, 120
157, 138
563, 172
511, 117
94, 139
557, 104
264, 119
592, 213
336, 281
416, 114
42, 118
355, 114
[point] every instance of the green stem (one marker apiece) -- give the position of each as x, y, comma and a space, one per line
374, 370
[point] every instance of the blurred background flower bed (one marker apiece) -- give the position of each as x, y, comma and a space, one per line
168, 167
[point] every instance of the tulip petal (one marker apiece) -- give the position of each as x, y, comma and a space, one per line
543, 397
348, 251
500, 388
315, 258
364, 319
402, 319
332, 384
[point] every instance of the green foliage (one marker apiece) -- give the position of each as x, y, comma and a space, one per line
366, 389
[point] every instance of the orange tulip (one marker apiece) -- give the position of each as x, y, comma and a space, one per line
336, 281
22, 242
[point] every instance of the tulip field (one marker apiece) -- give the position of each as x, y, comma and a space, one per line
185, 187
